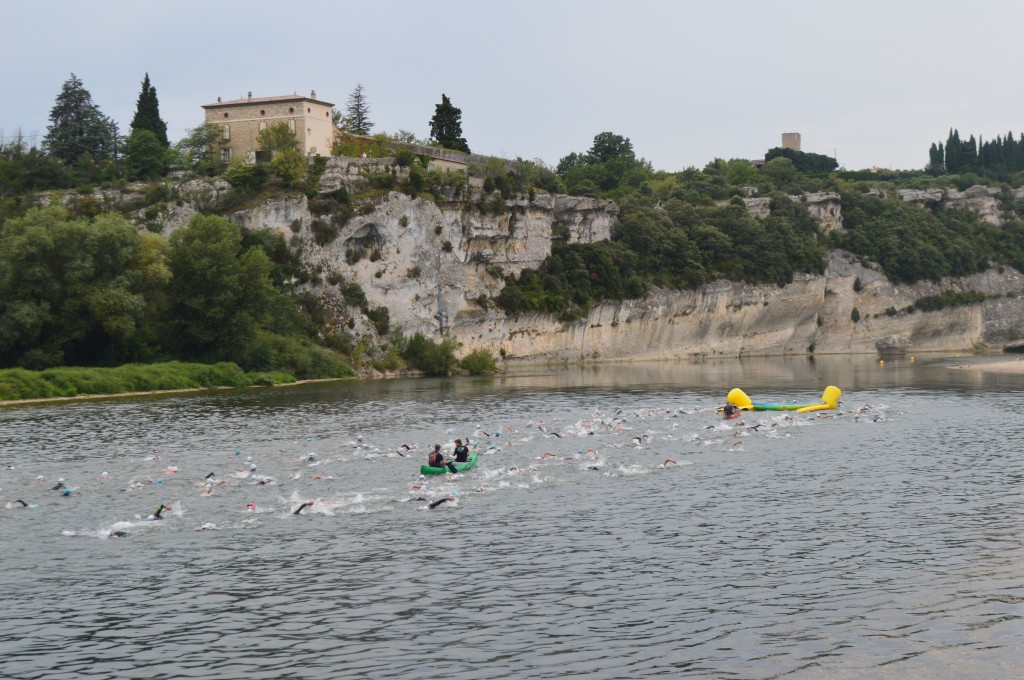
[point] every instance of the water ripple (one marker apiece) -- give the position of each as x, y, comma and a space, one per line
839, 546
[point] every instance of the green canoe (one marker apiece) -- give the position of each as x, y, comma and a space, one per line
461, 467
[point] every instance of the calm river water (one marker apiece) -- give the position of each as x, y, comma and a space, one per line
882, 540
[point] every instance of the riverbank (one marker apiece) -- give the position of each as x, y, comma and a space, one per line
1006, 367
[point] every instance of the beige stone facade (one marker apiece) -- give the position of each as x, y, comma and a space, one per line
242, 120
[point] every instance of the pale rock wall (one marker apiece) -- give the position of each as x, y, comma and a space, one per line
352, 173
979, 199
406, 266
741, 320
825, 207
429, 289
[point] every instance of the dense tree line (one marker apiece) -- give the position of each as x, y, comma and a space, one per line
98, 292
804, 161
999, 157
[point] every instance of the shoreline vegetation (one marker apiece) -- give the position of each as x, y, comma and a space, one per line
18, 385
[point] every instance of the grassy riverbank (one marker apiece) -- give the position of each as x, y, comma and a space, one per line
20, 384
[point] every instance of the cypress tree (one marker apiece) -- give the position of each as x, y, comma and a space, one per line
357, 119
953, 151
446, 126
147, 113
934, 158
969, 154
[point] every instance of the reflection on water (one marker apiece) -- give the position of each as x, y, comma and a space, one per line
616, 527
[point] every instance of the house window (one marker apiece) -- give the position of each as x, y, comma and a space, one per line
291, 109
263, 125
225, 155
225, 131
225, 114
262, 112
309, 110
291, 126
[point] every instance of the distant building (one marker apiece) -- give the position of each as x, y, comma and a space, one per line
791, 140
242, 120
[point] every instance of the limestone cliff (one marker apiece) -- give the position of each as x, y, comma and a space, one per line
813, 313
435, 264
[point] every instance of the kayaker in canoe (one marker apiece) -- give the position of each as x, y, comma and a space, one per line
461, 452
436, 459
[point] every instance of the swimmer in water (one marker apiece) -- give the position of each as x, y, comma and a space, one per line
307, 504
59, 485
156, 515
11, 504
437, 503
668, 461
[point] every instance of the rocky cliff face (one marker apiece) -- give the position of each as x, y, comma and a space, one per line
814, 313
434, 266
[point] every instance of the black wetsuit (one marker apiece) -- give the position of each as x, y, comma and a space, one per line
462, 454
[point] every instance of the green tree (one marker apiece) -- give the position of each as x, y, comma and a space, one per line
357, 113
145, 158
290, 166
740, 172
147, 114
277, 137
28, 169
803, 161
608, 146
782, 173
198, 149
74, 290
446, 126
77, 127
220, 292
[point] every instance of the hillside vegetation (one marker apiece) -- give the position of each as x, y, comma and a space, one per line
83, 284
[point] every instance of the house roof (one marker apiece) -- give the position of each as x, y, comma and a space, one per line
266, 100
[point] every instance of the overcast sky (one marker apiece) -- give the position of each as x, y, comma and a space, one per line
873, 82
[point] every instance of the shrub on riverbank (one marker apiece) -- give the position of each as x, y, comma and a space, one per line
70, 381
479, 362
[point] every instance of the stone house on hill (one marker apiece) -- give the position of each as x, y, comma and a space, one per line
242, 120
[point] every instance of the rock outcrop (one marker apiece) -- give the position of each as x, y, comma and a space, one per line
979, 199
825, 207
